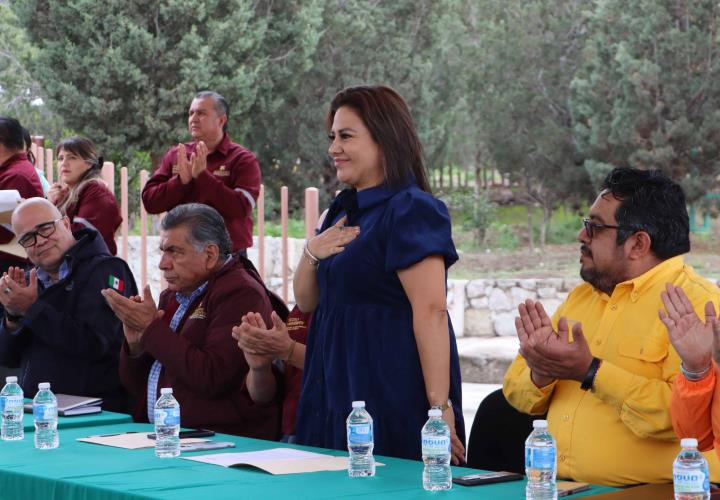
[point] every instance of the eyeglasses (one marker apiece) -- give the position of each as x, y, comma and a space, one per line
45, 230
591, 227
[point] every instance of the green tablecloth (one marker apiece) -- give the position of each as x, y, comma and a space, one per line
102, 418
82, 471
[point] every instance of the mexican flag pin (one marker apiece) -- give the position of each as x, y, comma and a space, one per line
116, 283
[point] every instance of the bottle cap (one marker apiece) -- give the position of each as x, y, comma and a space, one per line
539, 424
11, 380
166, 390
358, 404
434, 412
688, 443
44, 385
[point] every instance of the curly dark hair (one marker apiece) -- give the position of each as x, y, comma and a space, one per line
650, 202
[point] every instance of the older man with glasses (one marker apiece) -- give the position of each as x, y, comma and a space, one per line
57, 326
602, 368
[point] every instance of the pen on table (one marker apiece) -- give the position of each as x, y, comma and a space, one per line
114, 434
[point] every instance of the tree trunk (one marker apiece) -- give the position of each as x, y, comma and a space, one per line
547, 215
530, 226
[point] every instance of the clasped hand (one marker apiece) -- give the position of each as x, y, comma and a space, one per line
551, 355
333, 240
192, 168
259, 344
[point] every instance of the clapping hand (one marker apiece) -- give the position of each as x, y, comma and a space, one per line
17, 296
182, 167
57, 193
198, 160
692, 338
136, 314
551, 355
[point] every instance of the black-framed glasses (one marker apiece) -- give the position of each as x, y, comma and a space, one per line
45, 230
591, 227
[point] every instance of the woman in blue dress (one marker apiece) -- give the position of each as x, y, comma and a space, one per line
375, 280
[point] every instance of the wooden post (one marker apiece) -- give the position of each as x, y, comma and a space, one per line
108, 175
49, 164
312, 202
124, 211
261, 231
284, 226
143, 234
40, 157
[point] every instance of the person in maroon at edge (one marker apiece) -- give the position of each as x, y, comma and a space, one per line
82, 195
185, 342
211, 169
16, 172
261, 346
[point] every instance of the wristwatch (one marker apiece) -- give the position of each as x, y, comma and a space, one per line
444, 406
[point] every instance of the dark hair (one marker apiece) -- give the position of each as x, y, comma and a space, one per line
650, 202
28, 145
221, 105
11, 134
206, 225
387, 117
85, 149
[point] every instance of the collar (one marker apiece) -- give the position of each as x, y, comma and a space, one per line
224, 145
63, 273
16, 157
663, 272
374, 195
183, 299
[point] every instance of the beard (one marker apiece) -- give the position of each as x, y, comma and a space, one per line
603, 280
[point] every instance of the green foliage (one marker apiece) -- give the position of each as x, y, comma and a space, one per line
501, 236
646, 94
296, 228
471, 210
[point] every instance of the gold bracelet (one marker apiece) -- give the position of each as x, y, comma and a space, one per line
314, 261
290, 352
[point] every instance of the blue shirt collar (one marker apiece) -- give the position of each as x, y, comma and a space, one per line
45, 278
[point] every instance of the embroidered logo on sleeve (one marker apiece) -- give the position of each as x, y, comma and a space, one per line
116, 283
222, 171
198, 313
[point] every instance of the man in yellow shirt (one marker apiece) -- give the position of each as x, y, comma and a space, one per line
603, 367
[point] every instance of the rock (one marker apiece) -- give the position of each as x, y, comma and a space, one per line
571, 283
547, 292
478, 288
481, 303
504, 323
556, 283
520, 295
550, 305
528, 284
478, 323
498, 300
505, 283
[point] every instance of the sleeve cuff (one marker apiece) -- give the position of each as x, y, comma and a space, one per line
695, 387
612, 383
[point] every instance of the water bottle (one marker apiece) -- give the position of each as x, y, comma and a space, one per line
690, 473
540, 463
167, 425
436, 452
46, 418
11, 406
360, 441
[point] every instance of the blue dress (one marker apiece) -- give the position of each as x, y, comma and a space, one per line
361, 344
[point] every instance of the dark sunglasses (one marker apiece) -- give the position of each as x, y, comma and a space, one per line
45, 230
591, 227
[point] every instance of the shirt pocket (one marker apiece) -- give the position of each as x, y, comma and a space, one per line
644, 349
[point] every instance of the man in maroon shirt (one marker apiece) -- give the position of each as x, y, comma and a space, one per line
211, 169
186, 342
16, 172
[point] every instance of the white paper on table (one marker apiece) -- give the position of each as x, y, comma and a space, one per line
277, 460
131, 440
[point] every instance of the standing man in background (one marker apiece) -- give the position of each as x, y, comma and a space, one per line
211, 169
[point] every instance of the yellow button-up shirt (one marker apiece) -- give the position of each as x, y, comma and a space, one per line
620, 432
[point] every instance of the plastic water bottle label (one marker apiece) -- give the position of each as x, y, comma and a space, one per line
540, 458
691, 482
360, 433
12, 403
45, 411
167, 416
435, 445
